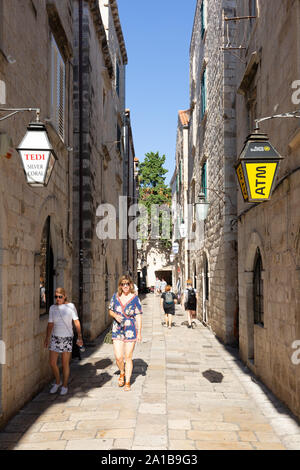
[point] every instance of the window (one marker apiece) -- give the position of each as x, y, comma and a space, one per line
180, 174
58, 79
46, 286
1, 25
204, 180
203, 18
118, 78
203, 94
119, 138
103, 98
206, 279
193, 200
252, 7
251, 108
106, 288
258, 297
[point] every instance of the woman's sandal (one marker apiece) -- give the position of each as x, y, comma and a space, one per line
127, 387
121, 380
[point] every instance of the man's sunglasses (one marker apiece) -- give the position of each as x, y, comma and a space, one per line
59, 296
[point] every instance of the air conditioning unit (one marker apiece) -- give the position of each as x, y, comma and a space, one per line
6, 146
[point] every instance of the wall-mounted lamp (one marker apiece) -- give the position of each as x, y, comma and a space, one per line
36, 152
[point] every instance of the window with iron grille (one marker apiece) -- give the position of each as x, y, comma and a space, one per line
58, 79
258, 292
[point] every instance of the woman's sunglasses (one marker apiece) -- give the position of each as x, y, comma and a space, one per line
125, 284
59, 296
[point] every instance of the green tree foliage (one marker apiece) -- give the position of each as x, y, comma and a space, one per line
153, 189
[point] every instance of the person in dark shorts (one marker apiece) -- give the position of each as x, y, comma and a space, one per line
168, 301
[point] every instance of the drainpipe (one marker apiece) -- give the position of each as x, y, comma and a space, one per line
80, 89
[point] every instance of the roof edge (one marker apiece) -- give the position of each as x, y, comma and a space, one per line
116, 17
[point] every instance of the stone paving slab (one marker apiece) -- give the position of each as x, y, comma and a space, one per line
189, 392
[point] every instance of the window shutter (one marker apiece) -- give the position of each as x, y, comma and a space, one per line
118, 78
58, 78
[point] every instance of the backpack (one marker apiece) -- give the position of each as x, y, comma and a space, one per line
169, 298
191, 301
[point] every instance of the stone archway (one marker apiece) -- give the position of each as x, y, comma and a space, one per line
51, 209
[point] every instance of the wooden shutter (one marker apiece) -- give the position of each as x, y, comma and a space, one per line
58, 78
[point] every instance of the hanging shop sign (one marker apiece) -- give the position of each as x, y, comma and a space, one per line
37, 155
257, 168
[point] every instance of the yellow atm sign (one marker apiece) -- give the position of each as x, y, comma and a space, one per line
257, 168
241, 178
260, 179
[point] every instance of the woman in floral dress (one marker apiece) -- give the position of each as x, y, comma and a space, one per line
126, 309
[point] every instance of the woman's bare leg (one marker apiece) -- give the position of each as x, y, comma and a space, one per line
129, 348
53, 356
119, 355
66, 356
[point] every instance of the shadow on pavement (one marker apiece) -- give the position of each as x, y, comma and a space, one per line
213, 376
84, 377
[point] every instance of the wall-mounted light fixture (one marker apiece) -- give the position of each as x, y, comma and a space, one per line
36, 152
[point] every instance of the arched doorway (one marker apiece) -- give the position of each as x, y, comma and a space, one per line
46, 284
205, 288
258, 290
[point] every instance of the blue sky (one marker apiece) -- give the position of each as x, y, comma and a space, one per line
157, 34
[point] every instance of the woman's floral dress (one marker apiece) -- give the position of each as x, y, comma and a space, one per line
126, 330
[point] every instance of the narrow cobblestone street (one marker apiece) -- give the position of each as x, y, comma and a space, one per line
188, 392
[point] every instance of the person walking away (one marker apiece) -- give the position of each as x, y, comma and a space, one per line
59, 337
157, 286
190, 303
126, 310
163, 285
168, 301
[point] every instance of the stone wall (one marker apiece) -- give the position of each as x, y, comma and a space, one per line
212, 140
24, 210
102, 173
274, 226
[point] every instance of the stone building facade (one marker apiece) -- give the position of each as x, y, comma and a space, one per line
35, 223
180, 192
99, 92
212, 152
269, 233
67, 58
